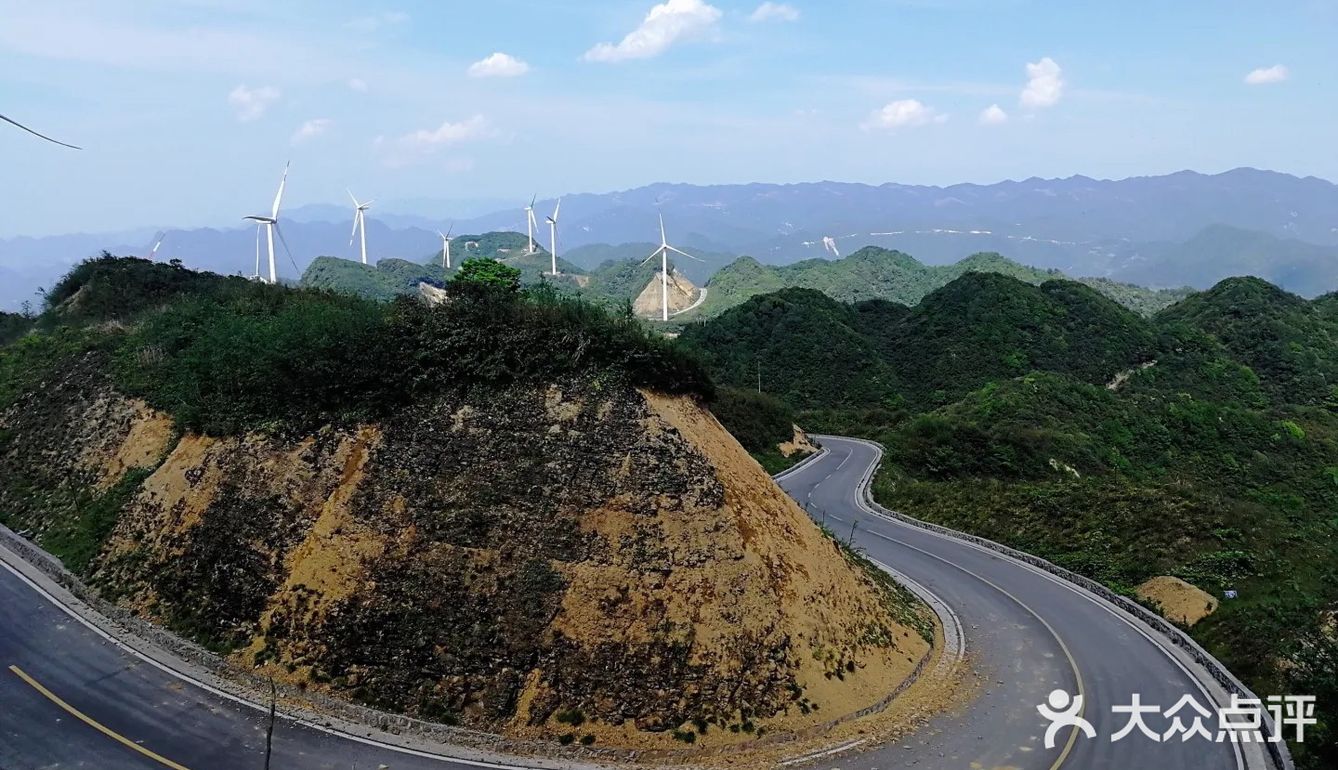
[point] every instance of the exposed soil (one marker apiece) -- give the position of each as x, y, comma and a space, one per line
582, 560
1178, 600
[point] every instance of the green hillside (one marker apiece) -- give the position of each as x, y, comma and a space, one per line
806, 348
984, 327
593, 256
1288, 342
383, 281
1200, 443
874, 273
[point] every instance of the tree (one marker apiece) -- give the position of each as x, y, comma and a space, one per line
483, 273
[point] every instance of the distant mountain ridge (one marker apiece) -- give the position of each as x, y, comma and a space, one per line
874, 273
1162, 231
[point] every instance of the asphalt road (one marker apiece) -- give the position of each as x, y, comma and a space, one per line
1025, 636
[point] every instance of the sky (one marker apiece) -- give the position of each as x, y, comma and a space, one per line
187, 110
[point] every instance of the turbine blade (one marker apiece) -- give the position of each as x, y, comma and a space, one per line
356, 217
13, 122
653, 255
286, 250
684, 253
350, 195
448, 231
533, 200
557, 210
279, 196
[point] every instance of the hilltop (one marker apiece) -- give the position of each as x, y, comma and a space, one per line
874, 273
818, 352
512, 511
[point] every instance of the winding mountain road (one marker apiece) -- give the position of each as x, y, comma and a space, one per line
72, 698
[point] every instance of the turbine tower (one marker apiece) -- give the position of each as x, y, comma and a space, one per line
446, 247
552, 234
359, 223
271, 225
663, 254
157, 244
531, 223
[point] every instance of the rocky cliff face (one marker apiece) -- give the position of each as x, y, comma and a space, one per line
523, 560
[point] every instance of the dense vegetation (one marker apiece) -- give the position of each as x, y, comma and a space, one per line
13, 326
760, 422
1201, 442
801, 344
874, 273
383, 281
224, 355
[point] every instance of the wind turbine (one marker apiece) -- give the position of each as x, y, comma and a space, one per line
446, 247
157, 243
663, 254
531, 222
271, 224
359, 223
552, 234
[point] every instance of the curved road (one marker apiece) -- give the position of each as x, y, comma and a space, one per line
1026, 635
70, 698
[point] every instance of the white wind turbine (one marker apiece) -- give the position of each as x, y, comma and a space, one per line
271, 225
446, 247
359, 223
552, 234
531, 223
157, 244
663, 254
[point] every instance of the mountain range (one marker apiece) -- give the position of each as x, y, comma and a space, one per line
1179, 229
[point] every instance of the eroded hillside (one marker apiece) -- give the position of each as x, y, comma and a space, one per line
579, 557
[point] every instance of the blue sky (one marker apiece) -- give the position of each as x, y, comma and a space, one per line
187, 110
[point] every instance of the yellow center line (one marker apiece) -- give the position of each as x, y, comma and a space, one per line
93, 723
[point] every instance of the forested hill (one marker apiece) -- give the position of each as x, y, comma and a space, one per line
1200, 443
874, 273
817, 352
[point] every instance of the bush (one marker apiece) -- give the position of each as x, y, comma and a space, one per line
226, 355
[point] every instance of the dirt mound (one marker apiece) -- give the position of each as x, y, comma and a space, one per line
1178, 600
682, 293
800, 444
579, 560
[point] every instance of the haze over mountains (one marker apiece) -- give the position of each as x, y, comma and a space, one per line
1180, 229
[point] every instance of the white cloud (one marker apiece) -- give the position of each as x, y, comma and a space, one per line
1265, 75
993, 115
251, 103
498, 65
368, 24
1045, 84
311, 129
357, 84
770, 11
904, 113
428, 141
668, 23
